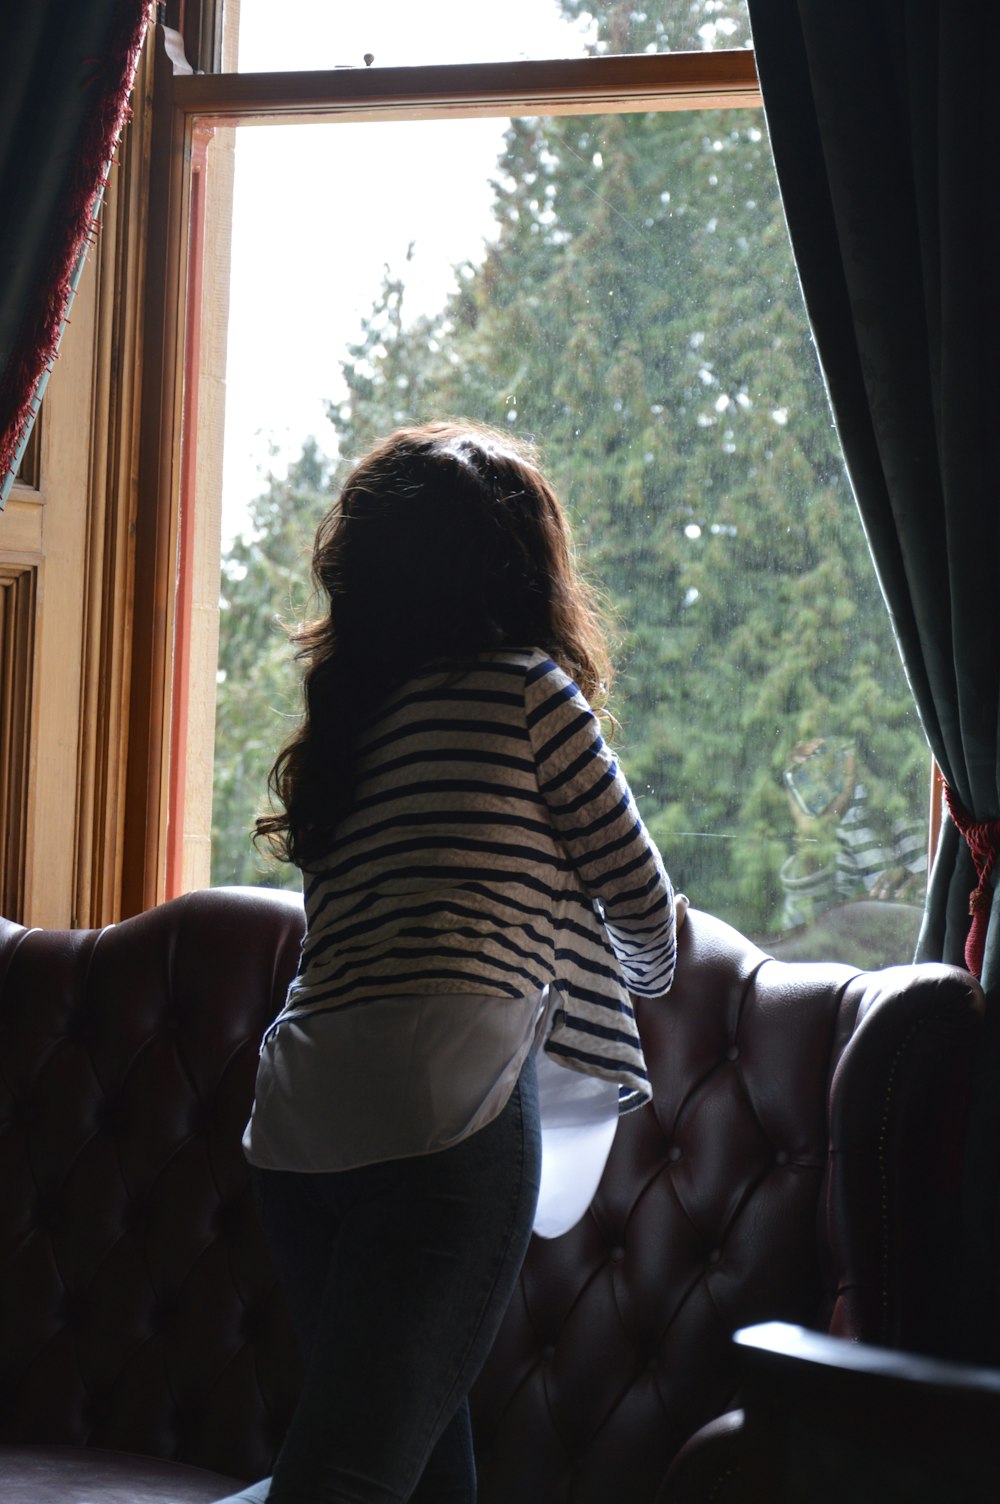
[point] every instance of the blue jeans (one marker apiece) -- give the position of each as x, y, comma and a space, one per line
397, 1276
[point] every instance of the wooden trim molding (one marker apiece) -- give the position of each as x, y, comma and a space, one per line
107, 627
579, 86
18, 590
29, 471
199, 24
146, 791
188, 500
45, 530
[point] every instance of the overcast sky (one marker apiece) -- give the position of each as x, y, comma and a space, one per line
320, 210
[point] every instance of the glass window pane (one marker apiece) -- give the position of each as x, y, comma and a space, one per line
621, 289
398, 33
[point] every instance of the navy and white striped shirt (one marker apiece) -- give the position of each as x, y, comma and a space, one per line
493, 847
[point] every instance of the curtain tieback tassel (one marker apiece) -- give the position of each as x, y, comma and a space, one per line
983, 840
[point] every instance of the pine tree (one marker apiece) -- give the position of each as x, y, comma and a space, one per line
637, 313
263, 590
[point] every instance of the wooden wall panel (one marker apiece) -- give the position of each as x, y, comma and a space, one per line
18, 584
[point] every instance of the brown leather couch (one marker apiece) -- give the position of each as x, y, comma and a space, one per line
799, 1163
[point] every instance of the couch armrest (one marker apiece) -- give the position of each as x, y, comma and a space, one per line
898, 1105
829, 1419
709, 1468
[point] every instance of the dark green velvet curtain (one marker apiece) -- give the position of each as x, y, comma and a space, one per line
68, 69
883, 117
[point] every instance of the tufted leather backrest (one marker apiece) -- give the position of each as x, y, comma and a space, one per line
793, 1165
784, 1169
138, 1307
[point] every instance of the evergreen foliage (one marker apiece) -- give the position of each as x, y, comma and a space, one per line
637, 313
264, 588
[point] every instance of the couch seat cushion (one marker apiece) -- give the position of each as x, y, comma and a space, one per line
87, 1475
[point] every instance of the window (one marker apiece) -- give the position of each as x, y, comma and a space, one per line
397, 35
620, 287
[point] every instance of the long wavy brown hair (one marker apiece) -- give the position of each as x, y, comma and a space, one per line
445, 541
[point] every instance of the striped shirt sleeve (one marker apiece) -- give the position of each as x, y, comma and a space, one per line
600, 829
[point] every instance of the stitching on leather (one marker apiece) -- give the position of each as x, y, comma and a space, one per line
696, 1281
883, 1162
749, 986
622, 1397
835, 1018
551, 1412
721, 1479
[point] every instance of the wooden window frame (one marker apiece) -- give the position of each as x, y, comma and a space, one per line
186, 103
95, 773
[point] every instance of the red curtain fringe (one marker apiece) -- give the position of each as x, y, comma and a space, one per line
35, 349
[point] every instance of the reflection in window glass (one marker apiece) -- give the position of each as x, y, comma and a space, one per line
624, 293
401, 34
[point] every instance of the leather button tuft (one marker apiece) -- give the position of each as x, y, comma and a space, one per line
715, 1256
781, 1158
253, 1323
22, 1113
81, 1027
617, 1254
674, 1153
48, 1216
137, 1218
73, 1311
164, 1312
733, 1052
229, 1218
111, 1118
97, 1410
548, 1351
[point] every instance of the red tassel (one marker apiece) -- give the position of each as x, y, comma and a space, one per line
983, 840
